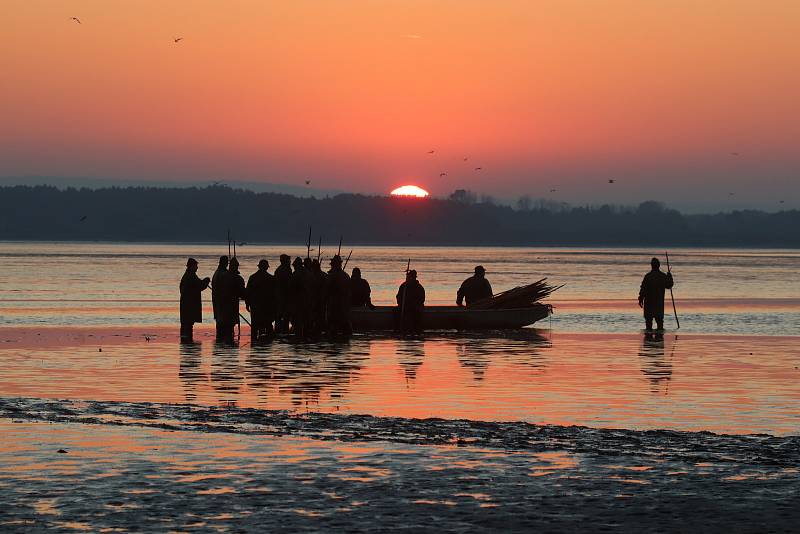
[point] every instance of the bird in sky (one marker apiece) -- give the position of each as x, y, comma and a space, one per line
308, 182
611, 181
83, 218
553, 190
781, 202
76, 19
431, 151
734, 153
731, 194
478, 168
465, 158
178, 39
442, 174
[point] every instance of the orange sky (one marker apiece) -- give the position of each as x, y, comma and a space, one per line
353, 94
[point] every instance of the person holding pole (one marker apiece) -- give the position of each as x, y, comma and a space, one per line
191, 287
651, 294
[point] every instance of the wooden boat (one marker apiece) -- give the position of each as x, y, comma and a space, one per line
450, 318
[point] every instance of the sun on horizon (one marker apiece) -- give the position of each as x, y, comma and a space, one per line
409, 191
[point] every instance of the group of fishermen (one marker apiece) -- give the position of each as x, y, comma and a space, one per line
302, 299
299, 297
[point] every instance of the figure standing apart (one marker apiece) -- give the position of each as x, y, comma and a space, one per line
474, 288
651, 294
411, 303
191, 299
260, 301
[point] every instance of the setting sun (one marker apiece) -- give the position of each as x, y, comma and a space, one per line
409, 191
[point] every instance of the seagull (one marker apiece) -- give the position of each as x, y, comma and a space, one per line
478, 168
178, 39
442, 174
553, 190
431, 151
76, 19
611, 181
308, 182
781, 202
734, 153
465, 158
731, 194
82, 218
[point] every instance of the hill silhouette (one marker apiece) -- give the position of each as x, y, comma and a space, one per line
204, 214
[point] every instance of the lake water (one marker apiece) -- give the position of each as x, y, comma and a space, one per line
724, 291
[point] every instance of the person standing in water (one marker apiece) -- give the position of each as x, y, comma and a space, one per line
651, 294
217, 292
260, 301
191, 299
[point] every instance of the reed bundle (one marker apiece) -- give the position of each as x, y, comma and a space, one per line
518, 297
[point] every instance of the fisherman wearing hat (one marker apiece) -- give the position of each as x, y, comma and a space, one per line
299, 300
260, 301
474, 288
217, 290
338, 294
283, 276
411, 303
191, 299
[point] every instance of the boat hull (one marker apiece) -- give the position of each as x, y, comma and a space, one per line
450, 318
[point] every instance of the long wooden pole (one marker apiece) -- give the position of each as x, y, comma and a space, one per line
229, 242
308, 243
339, 253
672, 296
319, 248
347, 260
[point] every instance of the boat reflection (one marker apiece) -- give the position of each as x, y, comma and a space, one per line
476, 352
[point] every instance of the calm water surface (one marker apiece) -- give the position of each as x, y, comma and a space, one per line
732, 291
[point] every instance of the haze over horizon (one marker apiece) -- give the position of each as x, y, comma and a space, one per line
693, 105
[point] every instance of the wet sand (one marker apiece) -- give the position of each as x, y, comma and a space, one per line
151, 479
380, 433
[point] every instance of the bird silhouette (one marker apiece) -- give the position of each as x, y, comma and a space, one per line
442, 174
553, 190
431, 151
178, 39
465, 158
781, 202
478, 168
308, 182
734, 153
611, 181
76, 19
83, 218
731, 194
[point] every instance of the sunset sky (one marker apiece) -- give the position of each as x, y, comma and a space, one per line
694, 103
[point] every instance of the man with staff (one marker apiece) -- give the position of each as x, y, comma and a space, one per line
651, 294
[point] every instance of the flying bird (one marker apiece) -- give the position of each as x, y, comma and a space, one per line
178, 39
611, 181
734, 153
465, 158
431, 151
76, 19
731, 194
442, 174
83, 218
781, 202
308, 182
478, 168
553, 190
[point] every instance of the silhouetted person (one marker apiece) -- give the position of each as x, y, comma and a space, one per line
411, 303
260, 301
474, 288
339, 300
651, 294
233, 289
283, 275
191, 299
319, 288
217, 290
360, 292
299, 299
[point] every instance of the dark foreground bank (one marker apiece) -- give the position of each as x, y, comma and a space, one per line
177, 467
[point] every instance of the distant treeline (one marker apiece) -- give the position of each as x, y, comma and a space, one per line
204, 215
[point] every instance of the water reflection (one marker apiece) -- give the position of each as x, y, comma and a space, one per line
654, 363
189, 371
477, 351
410, 355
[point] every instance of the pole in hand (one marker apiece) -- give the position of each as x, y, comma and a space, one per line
308, 243
339, 253
405, 289
672, 296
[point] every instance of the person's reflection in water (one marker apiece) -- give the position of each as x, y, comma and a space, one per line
189, 371
411, 354
258, 371
226, 373
473, 355
655, 365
